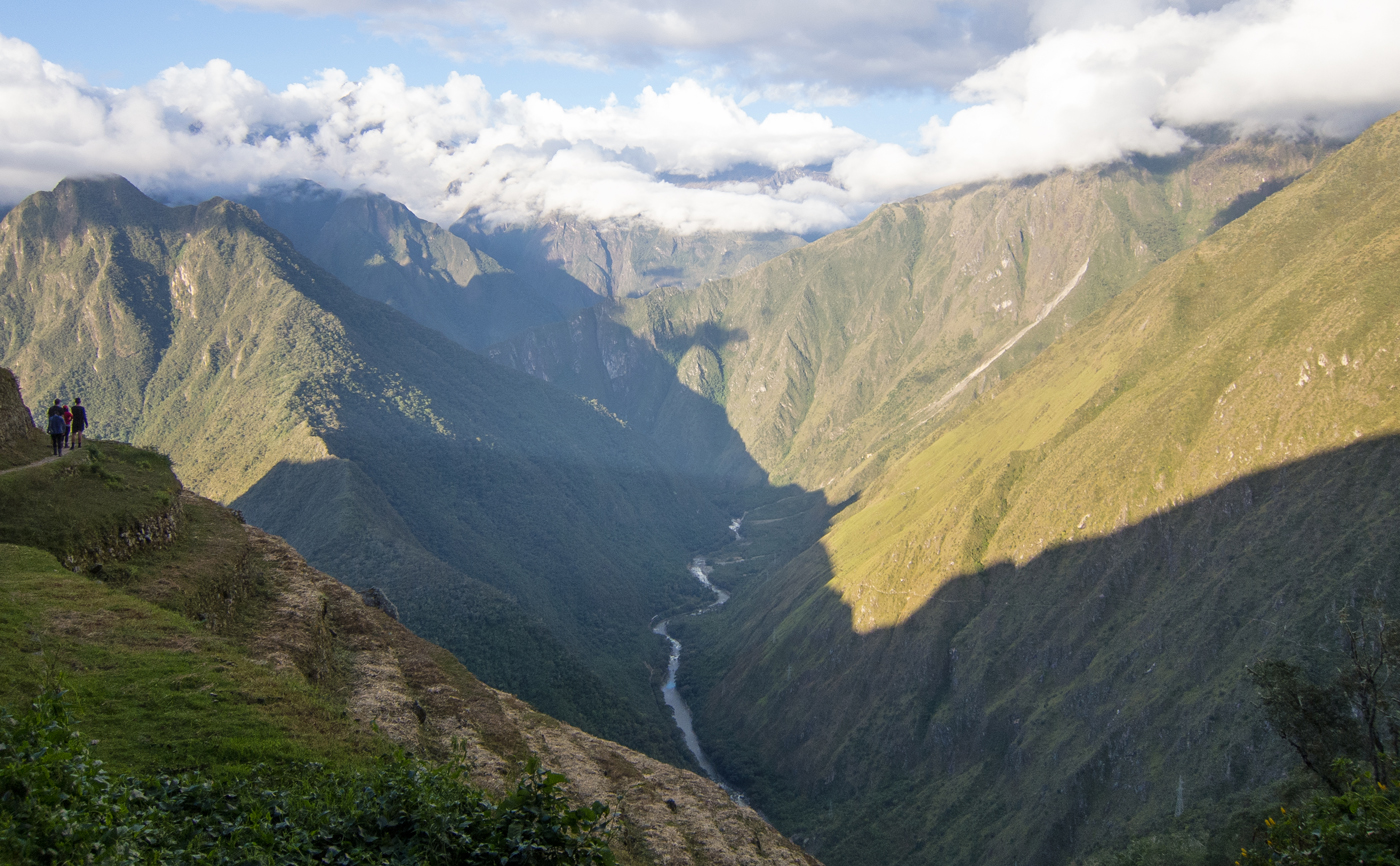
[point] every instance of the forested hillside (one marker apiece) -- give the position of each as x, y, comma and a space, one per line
527, 530
1027, 638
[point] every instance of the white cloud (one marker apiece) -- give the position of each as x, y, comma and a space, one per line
439, 149
827, 45
1075, 97
1081, 97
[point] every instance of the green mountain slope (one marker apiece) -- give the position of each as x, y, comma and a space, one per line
212, 646
828, 359
380, 249
1027, 638
529, 532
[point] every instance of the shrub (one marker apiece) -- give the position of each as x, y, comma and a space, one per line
59, 806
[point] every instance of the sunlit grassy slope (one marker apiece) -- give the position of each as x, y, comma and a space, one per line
1030, 634
528, 531
825, 360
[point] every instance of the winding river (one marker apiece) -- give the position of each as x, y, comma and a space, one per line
670, 694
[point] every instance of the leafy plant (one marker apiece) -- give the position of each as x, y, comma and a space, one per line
1347, 733
58, 805
1359, 825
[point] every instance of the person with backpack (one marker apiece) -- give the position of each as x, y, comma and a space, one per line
80, 422
56, 427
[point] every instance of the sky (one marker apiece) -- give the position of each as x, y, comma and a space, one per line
739, 115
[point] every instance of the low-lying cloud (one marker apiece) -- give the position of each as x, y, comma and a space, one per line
1075, 97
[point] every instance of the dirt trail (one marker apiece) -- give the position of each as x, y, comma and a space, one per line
51, 458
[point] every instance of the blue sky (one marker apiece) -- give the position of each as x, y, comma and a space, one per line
805, 116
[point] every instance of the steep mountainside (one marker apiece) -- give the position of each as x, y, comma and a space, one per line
828, 359
215, 646
528, 531
618, 260
1028, 636
378, 247
16, 424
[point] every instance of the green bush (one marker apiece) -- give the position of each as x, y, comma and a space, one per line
60, 806
1361, 825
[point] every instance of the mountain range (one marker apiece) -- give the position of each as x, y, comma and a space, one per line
181, 641
1026, 472
828, 360
527, 530
1027, 639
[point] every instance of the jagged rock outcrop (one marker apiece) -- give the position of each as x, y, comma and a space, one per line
16, 423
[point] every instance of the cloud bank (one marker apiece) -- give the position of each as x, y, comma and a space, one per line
1075, 97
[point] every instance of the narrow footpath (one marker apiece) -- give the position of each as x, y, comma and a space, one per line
51, 458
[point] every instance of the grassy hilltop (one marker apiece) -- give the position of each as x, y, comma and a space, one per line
1027, 638
527, 530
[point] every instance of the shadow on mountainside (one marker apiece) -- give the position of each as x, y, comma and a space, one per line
1031, 714
668, 389
338, 518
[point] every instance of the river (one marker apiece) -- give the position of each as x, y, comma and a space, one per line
671, 695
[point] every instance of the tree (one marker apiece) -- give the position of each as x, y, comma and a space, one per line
1338, 729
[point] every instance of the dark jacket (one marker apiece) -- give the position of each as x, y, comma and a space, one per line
56, 424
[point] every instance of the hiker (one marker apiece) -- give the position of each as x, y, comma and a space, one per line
56, 427
67, 424
79, 422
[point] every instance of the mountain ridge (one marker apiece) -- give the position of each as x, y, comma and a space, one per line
202, 332
819, 358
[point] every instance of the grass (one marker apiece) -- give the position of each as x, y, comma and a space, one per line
86, 499
156, 690
24, 451
150, 644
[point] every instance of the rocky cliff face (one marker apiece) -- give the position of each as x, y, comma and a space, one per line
423, 700
16, 424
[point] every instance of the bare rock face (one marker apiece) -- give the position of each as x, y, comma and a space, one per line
15, 420
376, 597
422, 699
